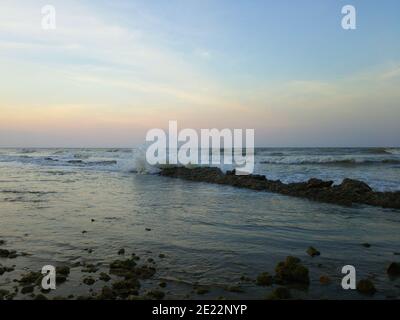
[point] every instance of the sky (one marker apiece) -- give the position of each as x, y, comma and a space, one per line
114, 69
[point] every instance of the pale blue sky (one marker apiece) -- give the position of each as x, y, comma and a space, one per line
114, 69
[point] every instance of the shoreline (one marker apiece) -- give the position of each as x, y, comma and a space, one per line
347, 193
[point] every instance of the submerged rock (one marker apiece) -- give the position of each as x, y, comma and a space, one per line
366, 287
313, 252
324, 280
104, 277
107, 294
202, 291
264, 279
31, 278
90, 268
27, 289
4, 294
63, 270
394, 269
4, 253
235, 289
156, 294
125, 288
291, 271
89, 281
280, 293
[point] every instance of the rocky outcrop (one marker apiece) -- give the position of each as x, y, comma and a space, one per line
347, 193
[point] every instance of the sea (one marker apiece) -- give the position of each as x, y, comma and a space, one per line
68, 206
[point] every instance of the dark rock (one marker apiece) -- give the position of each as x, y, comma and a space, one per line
264, 279
366, 287
348, 192
4, 253
148, 229
161, 255
280, 293
90, 268
89, 281
311, 251
355, 186
104, 277
394, 269
162, 284
121, 251
84, 231
63, 270
156, 294
291, 271
202, 291
40, 297
3, 294
125, 288
12, 255
366, 245
31, 278
235, 289
60, 278
27, 289
324, 280
107, 294
2, 242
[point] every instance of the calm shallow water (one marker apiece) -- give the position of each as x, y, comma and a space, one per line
210, 234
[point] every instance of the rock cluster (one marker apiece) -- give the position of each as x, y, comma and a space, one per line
348, 192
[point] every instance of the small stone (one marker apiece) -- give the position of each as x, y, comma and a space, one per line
89, 281
394, 269
366, 245
84, 231
2, 242
121, 251
366, 287
92, 220
202, 291
4, 253
161, 255
280, 293
63, 270
291, 271
148, 229
90, 268
4, 294
31, 278
162, 284
156, 294
27, 289
107, 294
104, 277
60, 278
313, 252
324, 280
235, 289
264, 279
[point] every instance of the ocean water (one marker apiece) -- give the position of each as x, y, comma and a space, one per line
210, 235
